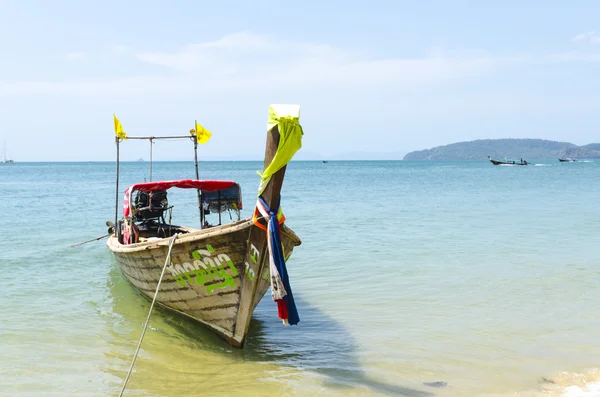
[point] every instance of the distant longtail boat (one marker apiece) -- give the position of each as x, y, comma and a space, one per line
508, 162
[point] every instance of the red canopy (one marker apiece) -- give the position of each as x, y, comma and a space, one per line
209, 186
183, 184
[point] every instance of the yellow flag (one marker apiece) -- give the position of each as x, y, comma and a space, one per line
119, 129
202, 134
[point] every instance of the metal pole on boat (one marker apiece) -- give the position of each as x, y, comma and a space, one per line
150, 159
219, 195
198, 175
117, 189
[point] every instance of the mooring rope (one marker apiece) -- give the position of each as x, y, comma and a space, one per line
167, 261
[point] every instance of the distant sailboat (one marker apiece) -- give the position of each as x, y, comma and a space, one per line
4, 159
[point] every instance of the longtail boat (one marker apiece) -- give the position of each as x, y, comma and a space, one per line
566, 160
508, 162
217, 274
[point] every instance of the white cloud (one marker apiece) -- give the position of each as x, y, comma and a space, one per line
254, 61
77, 56
246, 64
590, 37
572, 56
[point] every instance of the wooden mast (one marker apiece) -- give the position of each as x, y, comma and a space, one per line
257, 257
201, 211
116, 226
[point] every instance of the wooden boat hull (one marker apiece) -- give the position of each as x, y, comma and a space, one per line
210, 279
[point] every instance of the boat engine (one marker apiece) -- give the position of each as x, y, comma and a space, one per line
150, 205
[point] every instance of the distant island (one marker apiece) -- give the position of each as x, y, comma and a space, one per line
510, 148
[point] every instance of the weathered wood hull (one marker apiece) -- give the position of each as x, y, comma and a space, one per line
216, 277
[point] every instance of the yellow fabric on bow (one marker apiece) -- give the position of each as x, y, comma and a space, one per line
287, 120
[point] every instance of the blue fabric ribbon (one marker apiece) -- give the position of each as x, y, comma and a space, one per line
273, 225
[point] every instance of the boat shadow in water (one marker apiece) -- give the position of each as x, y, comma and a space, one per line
319, 344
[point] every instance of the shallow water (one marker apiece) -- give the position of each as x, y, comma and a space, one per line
485, 278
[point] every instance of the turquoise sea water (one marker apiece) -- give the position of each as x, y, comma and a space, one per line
483, 277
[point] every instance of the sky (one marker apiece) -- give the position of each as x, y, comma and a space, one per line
374, 79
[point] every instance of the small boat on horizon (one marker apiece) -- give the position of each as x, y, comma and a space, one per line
508, 162
566, 160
